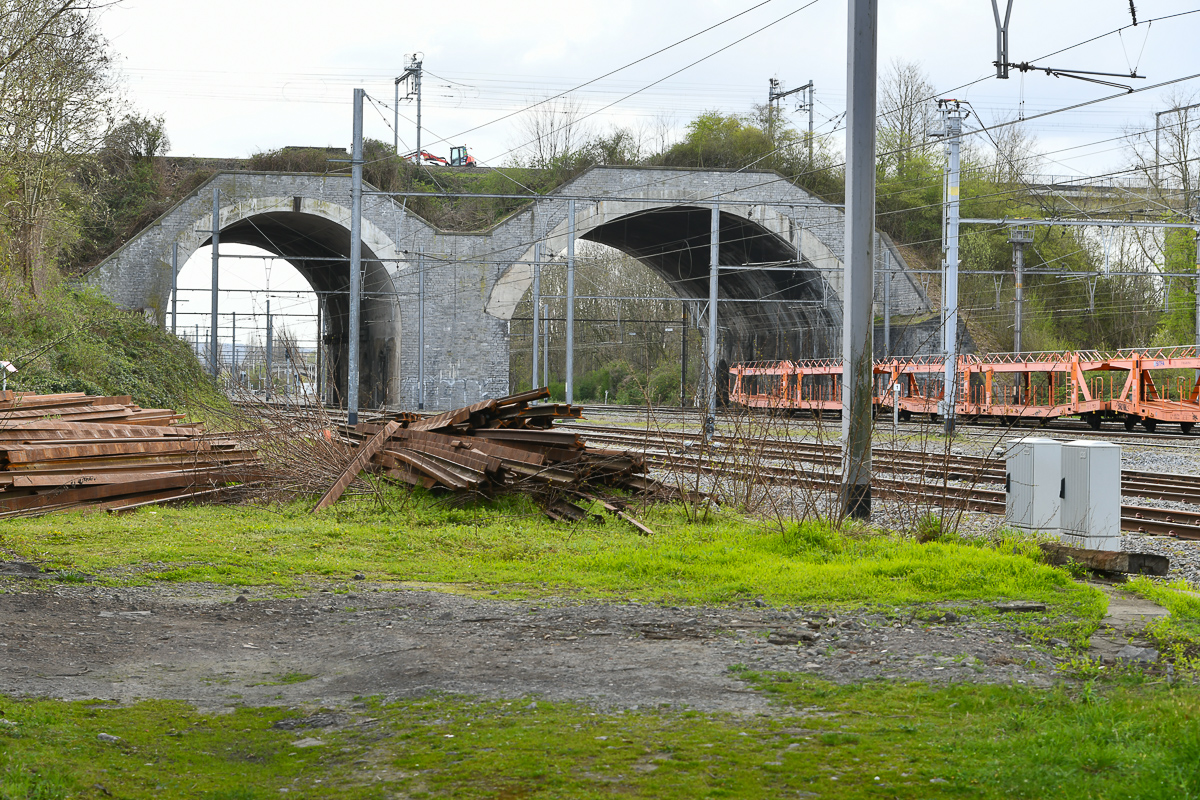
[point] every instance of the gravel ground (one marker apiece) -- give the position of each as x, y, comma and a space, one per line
216, 649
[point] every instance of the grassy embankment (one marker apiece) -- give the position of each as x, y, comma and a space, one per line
72, 340
509, 545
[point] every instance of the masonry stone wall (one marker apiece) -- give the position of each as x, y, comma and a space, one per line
472, 280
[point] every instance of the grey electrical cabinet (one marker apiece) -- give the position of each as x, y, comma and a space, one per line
1033, 473
1091, 495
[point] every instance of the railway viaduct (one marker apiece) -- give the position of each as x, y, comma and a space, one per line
473, 281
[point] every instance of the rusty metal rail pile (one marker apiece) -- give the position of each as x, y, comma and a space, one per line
498, 446
66, 451
1145, 386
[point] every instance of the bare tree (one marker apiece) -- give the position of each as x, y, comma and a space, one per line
551, 133
906, 113
1168, 156
56, 103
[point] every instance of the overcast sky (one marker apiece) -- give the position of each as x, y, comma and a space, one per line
232, 78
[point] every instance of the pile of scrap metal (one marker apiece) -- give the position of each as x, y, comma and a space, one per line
67, 451
503, 445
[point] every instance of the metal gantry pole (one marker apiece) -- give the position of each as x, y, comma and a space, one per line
396, 122
356, 170
174, 286
952, 117
537, 307
811, 89
233, 350
417, 80
570, 367
1018, 238
683, 359
1198, 297
270, 349
859, 283
887, 302
214, 355
546, 344
714, 258
320, 350
421, 328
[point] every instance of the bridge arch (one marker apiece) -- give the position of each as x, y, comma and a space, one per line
789, 310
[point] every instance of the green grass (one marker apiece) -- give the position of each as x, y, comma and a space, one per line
859, 741
511, 545
1114, 741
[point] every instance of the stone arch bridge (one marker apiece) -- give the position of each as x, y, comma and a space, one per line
473, 281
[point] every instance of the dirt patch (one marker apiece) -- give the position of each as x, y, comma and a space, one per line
215, 648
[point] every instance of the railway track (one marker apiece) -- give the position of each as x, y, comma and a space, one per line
734, 457
1062, 425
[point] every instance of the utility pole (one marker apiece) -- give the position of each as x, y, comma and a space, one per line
174, 285
774, 95
714, 260
1019, 236
546, 344
216, 263
570, 301
537, 307
421, 328
411, 70
356, 170
952, 119
233, 350
857, 317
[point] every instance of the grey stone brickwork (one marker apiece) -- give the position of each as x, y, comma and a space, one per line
472, 280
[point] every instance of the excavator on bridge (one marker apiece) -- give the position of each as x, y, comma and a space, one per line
459, 157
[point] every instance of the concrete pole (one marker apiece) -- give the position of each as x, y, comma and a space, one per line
953, 132
215, 354
1019, 293
537, 308
233, 350
270, 346
356, 170
421, 328
174, 285
570, 301
714, 260
857, 318
887, 302
546, 344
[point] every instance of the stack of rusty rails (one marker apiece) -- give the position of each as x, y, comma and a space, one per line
499, 446
70, 451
